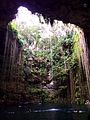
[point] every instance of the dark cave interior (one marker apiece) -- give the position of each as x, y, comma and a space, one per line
69, 11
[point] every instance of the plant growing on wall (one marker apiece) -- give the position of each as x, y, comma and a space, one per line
50, 52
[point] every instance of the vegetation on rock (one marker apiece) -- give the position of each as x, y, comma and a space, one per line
51, 66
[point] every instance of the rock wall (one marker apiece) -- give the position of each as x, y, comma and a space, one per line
76, 12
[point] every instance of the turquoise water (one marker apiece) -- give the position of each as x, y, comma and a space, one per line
44, 112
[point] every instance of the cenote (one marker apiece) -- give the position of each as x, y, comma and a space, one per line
44, 112
45, 70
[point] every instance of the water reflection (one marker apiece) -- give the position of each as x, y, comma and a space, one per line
46, 112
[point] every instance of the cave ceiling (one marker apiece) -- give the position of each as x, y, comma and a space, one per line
72, 11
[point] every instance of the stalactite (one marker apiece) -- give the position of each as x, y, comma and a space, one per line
72, 87
10, 61
5, 61
82, 68
5, 56
85, 59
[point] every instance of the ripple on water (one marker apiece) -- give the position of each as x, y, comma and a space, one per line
60, 110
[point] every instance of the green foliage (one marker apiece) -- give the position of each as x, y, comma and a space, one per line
22, 40
13, 26
54, 54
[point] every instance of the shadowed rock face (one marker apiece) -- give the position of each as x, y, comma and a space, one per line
73, 11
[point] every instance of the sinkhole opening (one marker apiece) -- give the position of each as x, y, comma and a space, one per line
45, 63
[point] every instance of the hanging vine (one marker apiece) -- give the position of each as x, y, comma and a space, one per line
52, 54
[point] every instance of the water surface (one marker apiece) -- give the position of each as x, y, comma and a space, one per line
44, 112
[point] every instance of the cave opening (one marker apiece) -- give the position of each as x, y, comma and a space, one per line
44, 62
